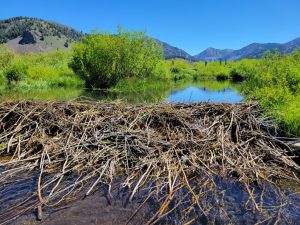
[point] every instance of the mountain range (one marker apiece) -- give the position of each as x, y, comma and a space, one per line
252, 51
24, 34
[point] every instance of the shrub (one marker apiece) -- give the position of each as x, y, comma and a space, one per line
16, 72
103, 59
275, 82
213, 70
6, 57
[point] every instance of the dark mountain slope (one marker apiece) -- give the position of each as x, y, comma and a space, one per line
25, 34
212, 54
171, 52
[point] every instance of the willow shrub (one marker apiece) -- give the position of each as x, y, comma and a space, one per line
103, 59
36, 71
275, 82
6, 57
214, 70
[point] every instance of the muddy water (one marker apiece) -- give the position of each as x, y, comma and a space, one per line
95, 209
102, 208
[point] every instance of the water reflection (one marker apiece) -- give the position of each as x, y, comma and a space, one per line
196, 94
199, 91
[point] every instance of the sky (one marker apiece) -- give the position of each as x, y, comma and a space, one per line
192, 25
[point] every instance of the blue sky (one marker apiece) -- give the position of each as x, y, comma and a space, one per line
192, 25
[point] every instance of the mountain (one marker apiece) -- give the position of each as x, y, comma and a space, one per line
171, 52
212, 54
252, 51
24, 34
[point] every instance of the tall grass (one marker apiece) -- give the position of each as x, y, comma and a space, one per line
37, 71
181, 69
275, 82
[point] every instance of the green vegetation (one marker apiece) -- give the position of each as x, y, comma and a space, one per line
101, 60
131, 63
214, 70
181, 69
36, 71
275, 82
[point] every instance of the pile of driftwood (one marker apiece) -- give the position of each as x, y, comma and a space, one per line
168, 152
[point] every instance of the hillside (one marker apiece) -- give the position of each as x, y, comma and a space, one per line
171, 52
23, 34
212, 54
252, 51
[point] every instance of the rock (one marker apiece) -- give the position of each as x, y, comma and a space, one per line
296, 146
27, 38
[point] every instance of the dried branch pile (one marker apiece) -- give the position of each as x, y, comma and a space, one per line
170, 153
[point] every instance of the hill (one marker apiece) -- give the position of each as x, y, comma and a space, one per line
212, 54
171, 52
24, 34
252, 51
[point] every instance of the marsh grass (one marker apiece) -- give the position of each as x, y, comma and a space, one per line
30, 72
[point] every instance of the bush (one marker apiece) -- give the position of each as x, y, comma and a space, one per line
103, 59
275, 82
16, 72
213, 70
181, 69
40, 71
6, 57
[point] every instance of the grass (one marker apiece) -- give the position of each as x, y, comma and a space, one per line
30, 72
275, 82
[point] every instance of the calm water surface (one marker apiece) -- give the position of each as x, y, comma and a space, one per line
196, 94
200, 91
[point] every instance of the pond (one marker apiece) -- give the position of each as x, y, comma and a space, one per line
196, 94
193, 91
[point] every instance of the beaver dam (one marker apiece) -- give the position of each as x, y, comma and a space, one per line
173, 163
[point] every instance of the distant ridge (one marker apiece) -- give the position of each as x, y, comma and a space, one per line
212, 54
252, 51
24, 34
171, 52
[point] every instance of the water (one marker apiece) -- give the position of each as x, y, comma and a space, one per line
199, 91
196, 94
229, 198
